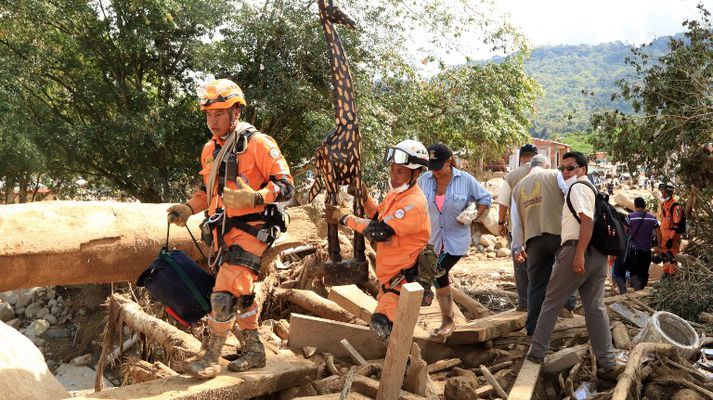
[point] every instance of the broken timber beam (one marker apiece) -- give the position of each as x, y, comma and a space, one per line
565, 358
317, 304
354, 300
473, 306
280, 373
325, 334
400, 341
488, 328
352, 352
636, 317
525, 382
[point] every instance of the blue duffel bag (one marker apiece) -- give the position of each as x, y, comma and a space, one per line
175, 280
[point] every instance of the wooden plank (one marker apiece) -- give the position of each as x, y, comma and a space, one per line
280, 373
325, 334
369, 387
525, 382
488, 328
354, 300
441, 365
564, 358
636, 317
352, 352
400, 341
493, 382
334, 396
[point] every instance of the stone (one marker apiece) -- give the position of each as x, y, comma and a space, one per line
43, 312
37, 328
490, 255
81, 360
38, 341
32, 310
490, 220
480, 248
51, 303
51, 319
487, 240
6, 312
60, 299
63, 320
56, 310
499, 244
78, 378
58, 333
460, 388
15, 323
23, 299
9, 297
50, 293
503, 252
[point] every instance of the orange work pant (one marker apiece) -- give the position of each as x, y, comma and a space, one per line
239, 281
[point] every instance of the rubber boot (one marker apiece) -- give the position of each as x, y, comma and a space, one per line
445, 302
381, 326
206, 366
253, 353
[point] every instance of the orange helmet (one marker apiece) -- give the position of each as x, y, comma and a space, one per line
220, 94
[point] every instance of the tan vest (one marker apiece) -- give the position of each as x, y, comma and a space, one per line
513, 177
539, 203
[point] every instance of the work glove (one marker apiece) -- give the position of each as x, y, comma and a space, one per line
351, 190
335, 214
241, 198
179, 213
669, 244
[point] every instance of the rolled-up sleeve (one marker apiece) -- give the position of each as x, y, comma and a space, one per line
480, 194
504, 194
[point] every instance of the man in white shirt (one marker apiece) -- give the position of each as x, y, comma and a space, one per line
578, 266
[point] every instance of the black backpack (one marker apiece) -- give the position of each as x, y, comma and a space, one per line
608, 235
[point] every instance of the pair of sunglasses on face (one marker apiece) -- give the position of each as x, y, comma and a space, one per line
569, 168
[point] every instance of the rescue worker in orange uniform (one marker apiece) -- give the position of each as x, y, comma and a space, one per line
399, 226
672, 226
243, 174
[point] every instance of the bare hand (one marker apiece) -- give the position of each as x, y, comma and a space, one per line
578, 263
521, 256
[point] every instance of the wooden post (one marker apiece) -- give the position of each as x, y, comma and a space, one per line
399, 345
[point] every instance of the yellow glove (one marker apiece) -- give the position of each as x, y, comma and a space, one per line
334, 214
179, 214
242, 197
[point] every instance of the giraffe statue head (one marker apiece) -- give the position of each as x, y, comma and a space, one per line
335, 15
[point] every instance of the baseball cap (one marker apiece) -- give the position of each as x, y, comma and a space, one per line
669, 186
528, 148
438, 154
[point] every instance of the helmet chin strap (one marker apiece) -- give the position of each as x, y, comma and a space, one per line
233, 124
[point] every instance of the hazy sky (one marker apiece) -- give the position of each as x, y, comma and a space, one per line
551, 22
555, 22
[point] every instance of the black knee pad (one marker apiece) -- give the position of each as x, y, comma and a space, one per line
223, 305
381, 326
245, 301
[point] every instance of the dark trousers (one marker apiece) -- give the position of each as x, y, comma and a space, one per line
638, 262
541, 251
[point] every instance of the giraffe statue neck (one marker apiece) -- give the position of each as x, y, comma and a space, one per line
342, 91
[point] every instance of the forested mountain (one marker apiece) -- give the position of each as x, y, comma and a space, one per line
567, 72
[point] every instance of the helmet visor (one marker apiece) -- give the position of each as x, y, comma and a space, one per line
400, 157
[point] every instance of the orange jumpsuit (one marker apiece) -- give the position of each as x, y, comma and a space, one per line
260, 161
669, 223
407, 214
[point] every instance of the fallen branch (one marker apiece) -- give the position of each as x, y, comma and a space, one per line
684, 382
474, 307
620, 336
629, 376
493, 382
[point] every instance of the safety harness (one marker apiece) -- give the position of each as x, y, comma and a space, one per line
225, 168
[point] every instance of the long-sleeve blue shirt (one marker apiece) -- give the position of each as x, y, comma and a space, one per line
447, 234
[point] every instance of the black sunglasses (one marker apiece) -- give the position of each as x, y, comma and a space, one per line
569, 168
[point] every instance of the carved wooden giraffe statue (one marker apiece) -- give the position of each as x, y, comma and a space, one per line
339, 156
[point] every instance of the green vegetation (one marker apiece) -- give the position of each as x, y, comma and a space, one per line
104, 90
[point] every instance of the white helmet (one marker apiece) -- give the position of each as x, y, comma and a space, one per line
410, 153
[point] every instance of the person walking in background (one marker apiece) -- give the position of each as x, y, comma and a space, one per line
673, 224
448, 191
504, 197
578, 266
642, 226
537, 202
